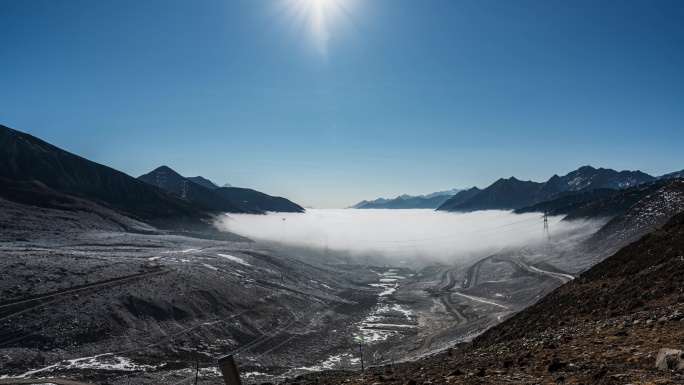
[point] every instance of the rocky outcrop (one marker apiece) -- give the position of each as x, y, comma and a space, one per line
670, 359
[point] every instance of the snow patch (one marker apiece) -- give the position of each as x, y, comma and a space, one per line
480, 300
332, 362
106, 361
235, 259
389, 289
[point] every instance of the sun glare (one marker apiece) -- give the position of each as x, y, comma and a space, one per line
320, 16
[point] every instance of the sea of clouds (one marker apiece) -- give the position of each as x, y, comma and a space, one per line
403, 234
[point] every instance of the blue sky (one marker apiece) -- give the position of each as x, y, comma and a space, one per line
375, 98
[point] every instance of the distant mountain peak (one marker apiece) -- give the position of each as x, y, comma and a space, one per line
164, 168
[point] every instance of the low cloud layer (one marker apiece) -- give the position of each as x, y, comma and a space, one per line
402, 234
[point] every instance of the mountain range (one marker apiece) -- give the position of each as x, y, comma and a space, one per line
512, 194
35, 172
40, 170
224, 199
427, 201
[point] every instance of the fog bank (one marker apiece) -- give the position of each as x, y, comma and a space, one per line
402, 234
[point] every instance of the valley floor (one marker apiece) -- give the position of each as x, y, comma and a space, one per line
105, 306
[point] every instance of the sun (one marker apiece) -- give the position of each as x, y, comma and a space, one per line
320, 18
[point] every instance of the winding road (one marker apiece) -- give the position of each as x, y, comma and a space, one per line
60, 381
447, 283
564, 278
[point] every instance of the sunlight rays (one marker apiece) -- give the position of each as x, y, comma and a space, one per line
319, 17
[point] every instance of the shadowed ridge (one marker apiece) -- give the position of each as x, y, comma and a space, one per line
26, 158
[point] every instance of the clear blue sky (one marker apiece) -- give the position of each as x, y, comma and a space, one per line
328, 102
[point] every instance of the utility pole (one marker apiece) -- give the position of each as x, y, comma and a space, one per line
359, 339
197, 373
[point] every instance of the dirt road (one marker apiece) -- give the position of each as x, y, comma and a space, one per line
447, 283
60, 381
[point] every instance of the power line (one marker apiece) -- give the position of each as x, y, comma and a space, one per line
473, 238
452, 236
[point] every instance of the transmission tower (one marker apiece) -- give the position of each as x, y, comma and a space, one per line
546, 227
184, 187
161, 179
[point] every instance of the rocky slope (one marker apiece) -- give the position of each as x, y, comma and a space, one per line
106, 306
605, 327
612, 205
24, 158
224, 199
648, 214
168, 179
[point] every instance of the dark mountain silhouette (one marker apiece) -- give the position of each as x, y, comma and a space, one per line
587, 178
427, 201
612, 205
170, 180
365, 202
566, 203
253, 198
459, 198
203, 182
409, 203
451, 193
673, 175
29, 159
504, 194
224, 199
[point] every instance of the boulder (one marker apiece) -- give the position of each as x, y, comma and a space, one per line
670, 359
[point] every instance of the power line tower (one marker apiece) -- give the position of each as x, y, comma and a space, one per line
546, 228
161, 179
184, 188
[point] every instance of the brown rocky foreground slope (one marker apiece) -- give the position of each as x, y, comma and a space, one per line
605, 327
